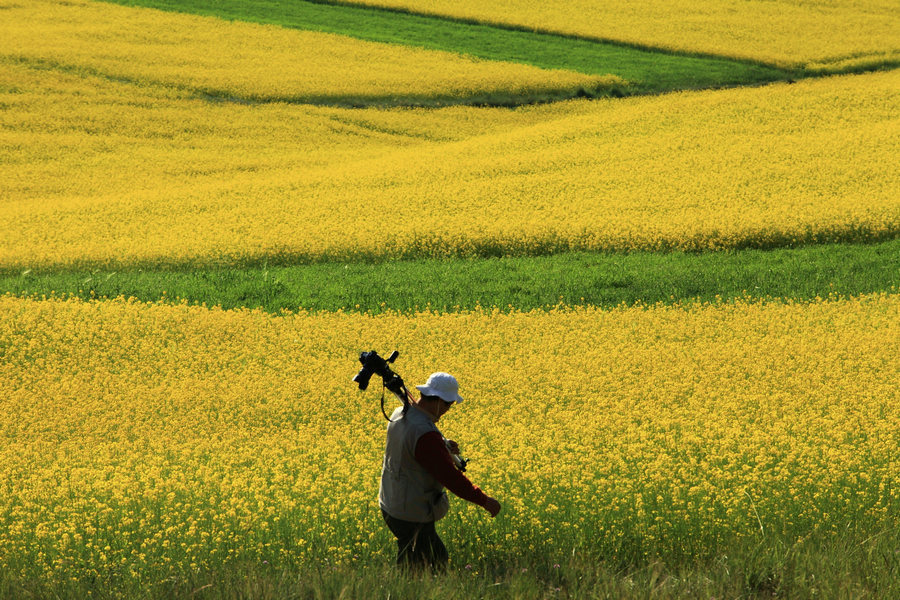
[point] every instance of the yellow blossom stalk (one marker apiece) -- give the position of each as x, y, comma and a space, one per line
250, 61
831, 35
153, 438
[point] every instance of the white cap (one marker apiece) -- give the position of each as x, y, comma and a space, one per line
442, 385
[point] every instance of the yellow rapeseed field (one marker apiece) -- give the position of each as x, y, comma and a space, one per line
140, 439
104, 173
146, 442
250, 61
827, 35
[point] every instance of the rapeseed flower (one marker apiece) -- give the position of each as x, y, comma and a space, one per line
151, 438
106, 173
244, 61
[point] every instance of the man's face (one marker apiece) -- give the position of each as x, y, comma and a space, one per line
442, 407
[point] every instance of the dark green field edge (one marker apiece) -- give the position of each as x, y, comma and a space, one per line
647, 70
522, 283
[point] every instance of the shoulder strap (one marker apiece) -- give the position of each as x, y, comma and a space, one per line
404, 398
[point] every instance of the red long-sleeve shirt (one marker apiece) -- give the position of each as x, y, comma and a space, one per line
432, 453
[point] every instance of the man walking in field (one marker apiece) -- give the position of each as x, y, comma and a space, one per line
417, 469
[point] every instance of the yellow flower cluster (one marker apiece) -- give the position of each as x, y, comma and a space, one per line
252, 61
829, 35
105, 172
144, 438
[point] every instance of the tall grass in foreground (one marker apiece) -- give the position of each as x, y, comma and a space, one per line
848, 566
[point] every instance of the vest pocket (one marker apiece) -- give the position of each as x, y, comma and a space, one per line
440, 506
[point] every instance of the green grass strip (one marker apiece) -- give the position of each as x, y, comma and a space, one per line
522, 283
648, 71
822, 564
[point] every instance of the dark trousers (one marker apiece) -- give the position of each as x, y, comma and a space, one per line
418, 544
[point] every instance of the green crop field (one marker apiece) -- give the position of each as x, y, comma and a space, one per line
666, 271
524, 283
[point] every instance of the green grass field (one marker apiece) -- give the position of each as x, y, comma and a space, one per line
520, 282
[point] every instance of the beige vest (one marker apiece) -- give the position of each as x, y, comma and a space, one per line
409, 492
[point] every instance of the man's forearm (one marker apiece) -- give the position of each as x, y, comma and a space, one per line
432, 453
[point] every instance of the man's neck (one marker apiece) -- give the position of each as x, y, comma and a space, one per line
425, 410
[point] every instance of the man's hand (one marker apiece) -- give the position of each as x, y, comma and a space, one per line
453, 447
492, 506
